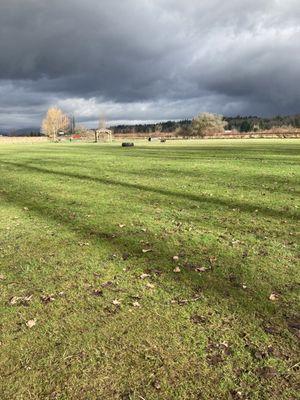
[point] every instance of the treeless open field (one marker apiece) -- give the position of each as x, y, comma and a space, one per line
163, 271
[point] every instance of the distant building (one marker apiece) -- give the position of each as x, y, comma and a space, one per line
103, 135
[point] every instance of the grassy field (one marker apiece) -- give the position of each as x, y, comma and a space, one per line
164, 271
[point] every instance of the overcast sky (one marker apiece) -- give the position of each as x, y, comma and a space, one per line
147, 59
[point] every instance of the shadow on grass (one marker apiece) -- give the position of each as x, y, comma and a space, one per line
242, 206
214, 283
260, 182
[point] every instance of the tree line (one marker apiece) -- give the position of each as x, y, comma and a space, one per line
237, 123
56, 123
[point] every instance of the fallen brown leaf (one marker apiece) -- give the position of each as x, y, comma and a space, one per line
20, 300
98, 292
150, 286
200, 269
14, 300
182, 302
144, 276
26, 299
107, 284
212, 260
274, 296
47, 298
31, 323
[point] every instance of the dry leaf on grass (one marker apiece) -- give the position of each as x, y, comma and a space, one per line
14, 300
150, 286
31, 323
212, 260
82, 244
136, 304
182, 302
116, 302
122, 225
200, 269
177, 270
20, 300
144, 276
2, 277
108, 284
47, 298
98, 292
274, 296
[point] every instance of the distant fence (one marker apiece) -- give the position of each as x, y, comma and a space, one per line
163, 135
143, 135
229, 135
256, 135
23, 139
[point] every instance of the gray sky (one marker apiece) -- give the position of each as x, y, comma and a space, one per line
147, 59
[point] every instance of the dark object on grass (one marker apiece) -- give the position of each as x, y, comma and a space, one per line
149, 139
163, 140
127, 144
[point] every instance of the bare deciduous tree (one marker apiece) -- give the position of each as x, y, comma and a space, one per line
208, 123
54, 122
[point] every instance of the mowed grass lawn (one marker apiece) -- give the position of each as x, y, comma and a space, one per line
91, 304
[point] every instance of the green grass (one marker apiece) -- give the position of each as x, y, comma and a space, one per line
228, 206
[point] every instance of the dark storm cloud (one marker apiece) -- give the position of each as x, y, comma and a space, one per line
148, 59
